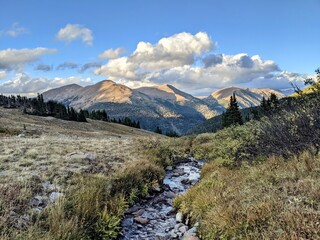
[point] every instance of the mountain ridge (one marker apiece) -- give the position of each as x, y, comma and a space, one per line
164, 105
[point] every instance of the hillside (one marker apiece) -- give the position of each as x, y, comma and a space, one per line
163, 106
44, 140
44, 158
260, 177
246, 97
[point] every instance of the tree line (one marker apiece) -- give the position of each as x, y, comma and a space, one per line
37, 106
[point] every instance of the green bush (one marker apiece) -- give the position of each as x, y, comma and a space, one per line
227, 145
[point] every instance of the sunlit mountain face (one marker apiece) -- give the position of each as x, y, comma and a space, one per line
165, 106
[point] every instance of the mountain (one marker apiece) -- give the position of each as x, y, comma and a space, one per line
168, 93
246, 97
163, 106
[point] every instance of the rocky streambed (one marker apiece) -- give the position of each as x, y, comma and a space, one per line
154, 218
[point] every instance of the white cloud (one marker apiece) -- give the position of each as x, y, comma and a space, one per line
14, 31
3, 74
14, 59
177, 50
72, 32
24, 84
187, 61
111, 53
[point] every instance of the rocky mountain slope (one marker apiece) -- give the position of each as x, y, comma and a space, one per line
246, 97
163, 106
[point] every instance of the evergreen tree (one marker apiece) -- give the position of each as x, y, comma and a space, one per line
158, 130
274, 101
81, 116
265, 105
232, 115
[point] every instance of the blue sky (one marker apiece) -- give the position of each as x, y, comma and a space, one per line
284, 35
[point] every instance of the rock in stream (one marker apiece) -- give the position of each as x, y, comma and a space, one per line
155, 218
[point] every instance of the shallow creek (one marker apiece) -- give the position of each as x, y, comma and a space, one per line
154, 218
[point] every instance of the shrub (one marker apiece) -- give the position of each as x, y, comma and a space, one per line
227, 145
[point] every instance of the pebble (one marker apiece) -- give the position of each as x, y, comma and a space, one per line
154, 217
141, 220
37, 201
179, 217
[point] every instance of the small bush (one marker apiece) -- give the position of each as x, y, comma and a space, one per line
228, 144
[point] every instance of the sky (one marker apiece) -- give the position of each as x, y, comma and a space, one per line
197, 46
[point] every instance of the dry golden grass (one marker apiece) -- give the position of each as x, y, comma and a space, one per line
276, 199
49, 149
47, 145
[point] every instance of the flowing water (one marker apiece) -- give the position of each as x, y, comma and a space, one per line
155, 218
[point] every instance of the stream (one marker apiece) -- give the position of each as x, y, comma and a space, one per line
154, 218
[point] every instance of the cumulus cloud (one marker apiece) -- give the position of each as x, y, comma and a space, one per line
22, 83
212, 59
111, 53
16, 59
14, 31
73, 32
86, 66
177, 50
43, 67
188, 62
67, 65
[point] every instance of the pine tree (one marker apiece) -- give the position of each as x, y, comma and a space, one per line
232, 116
81, 116
158, 130
274, 101
265, 105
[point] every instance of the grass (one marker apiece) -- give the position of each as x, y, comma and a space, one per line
96, 192
276, 199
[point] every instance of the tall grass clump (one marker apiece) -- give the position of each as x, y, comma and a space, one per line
278, 199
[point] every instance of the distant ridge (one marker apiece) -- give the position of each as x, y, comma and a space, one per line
246, 97
164, 106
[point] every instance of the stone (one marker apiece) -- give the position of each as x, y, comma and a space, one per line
170, 194
183, 229
173, 234
54, 196
162, 236
169, 168
192, 230
139, 212
179, 217
47, 186
90, 157
37, 201
189, 236
127, 222
141, 220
